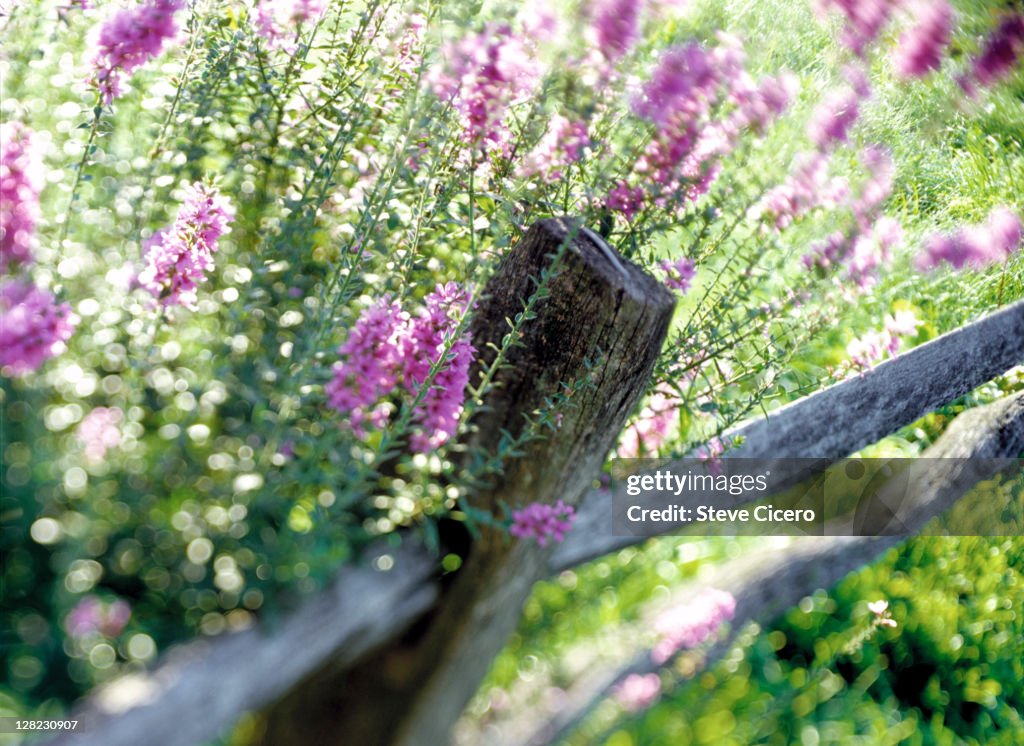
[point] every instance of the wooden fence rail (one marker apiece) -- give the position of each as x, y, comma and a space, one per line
197, 691
766, 583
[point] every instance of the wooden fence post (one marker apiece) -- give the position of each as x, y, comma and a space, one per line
601, 319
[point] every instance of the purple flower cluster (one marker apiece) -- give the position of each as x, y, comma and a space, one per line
33, 326
99, 431
869, 244
21, 181
832, 120
679, 274
615, 26
129, 39
437, 412
561, 146
759, 103
389, 349
652, 426
91, 617
689, 624
178, 257
625, 199
370, 366
543, 522
999, 55
680, 89
277, 20
484, 75
975, 246
807, 187
867, 350
637, 691
688, 85
864, 19
921, 47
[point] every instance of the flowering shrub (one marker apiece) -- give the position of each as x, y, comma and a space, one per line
236, 294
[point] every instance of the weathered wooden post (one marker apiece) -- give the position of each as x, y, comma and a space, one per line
601, 318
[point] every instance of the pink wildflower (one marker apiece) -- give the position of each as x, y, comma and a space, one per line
679, 274
561, 146
877, 161
901, 324
866, 350
625, 199
100, 431
638, 691
680, 88
539, 21
543, 522
615, 26
387, 348
129, 39
21, 181
864, 20
33, 327
370, 366
178, 257
652, 426
91, 616
999, 55
871, 251
833, 118
691, 623
277, 20
807, 187
711, 454
483, 76
921, 47
975, 246
437, 413
759, 104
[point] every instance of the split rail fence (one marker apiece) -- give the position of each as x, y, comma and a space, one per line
392, 651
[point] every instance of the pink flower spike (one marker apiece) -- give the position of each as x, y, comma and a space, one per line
278, 21
615, 26
543, 522
178, 257
920, 49
625, 199
833, 118
33, 327
902, 324
483, 76
100, 431
638, 691
690, 624
21, 180
679, 274
129, 39
976, 246
561, 146
91, 616
369, 367
998, 56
